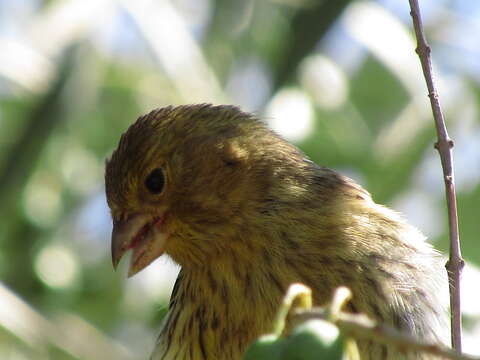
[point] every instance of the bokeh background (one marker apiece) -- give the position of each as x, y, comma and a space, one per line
338, 78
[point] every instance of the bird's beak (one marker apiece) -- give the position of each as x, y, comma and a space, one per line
143, 233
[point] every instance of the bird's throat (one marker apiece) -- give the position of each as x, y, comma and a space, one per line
225, 303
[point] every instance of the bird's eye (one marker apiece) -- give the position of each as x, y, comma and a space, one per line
155, 181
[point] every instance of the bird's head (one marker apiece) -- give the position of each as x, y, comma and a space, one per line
187, 180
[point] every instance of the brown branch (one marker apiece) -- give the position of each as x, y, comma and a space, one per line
444, 146
359, 326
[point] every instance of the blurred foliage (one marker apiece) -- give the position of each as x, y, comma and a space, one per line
74, 74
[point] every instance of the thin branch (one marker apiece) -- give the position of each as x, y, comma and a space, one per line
359, 326
444, 146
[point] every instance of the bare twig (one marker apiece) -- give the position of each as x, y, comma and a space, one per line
444, 146
359, 326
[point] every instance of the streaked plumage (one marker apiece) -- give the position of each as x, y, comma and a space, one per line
245, 214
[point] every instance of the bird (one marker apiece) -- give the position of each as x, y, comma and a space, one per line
245, 214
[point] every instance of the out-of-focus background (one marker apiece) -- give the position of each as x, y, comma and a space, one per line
338, 78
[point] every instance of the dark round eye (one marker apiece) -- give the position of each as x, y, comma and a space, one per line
155, 181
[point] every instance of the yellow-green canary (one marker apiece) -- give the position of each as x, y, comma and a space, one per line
245, 214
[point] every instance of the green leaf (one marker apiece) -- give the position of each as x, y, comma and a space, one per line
267, 347
313, 340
